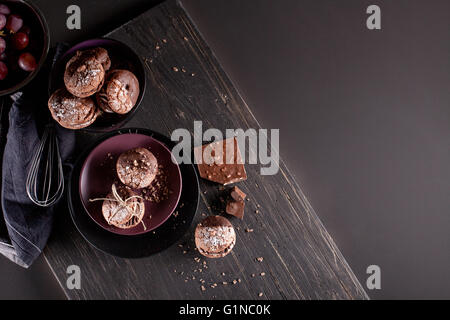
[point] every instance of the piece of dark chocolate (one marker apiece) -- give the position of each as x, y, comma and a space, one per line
236, 208
222, 165
237, 194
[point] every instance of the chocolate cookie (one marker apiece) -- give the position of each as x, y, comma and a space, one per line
215, 237
123, 209
137, 168
120, 92
85, 72
72, 112
102, 56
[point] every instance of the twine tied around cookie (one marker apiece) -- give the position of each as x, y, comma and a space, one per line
123, 203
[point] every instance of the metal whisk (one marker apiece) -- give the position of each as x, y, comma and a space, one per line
45, 178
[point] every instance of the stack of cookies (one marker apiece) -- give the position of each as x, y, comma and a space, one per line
123, 207
92, 87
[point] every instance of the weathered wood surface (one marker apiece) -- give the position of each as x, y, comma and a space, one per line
301, 260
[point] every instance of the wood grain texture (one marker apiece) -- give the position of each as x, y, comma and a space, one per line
301, 260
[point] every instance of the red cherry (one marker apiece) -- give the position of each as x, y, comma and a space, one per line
20, 40
14, 23
27, 62
3, 70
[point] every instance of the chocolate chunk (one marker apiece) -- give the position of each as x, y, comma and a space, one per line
237, 194
220, 162
236, 208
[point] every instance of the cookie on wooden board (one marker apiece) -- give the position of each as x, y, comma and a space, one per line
215, 237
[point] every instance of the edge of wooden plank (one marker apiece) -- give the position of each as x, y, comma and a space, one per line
56, 277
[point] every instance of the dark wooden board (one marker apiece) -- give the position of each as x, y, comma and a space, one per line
301, 261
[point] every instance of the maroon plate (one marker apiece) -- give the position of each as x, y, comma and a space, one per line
98, 174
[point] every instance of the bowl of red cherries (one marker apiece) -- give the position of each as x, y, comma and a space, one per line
24, 44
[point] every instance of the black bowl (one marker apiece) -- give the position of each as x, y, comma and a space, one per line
39, 45
122, 57
143, 245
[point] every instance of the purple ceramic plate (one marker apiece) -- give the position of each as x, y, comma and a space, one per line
98, 173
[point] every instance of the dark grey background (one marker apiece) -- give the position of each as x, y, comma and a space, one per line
364, 118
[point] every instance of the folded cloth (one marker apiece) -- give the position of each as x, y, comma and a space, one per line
28, 226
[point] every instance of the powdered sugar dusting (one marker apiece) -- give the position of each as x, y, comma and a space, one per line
120, 91
217, 237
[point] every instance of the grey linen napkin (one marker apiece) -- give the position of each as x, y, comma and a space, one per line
28, 226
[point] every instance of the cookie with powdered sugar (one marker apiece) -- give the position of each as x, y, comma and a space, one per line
123, 212
137, 168
85, 72
215, 237
120, 92
72, 112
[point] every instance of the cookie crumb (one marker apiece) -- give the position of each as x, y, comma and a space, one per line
263, 274
248, 230
203, 288
260, 294
175, 69
260, 259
